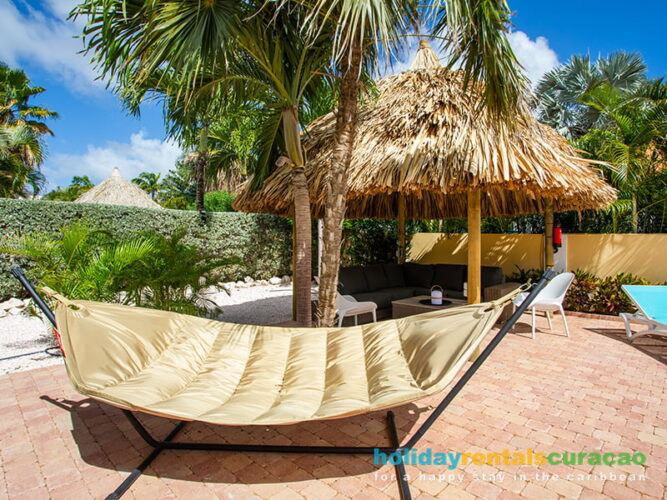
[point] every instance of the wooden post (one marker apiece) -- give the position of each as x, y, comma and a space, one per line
401, 229
548, 233
474, 247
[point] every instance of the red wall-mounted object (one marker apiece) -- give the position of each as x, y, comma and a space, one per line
558, 236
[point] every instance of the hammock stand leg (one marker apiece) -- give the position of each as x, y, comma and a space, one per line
401, 477
168, 444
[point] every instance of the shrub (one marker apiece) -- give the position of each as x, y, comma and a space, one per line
261, 244
146, 269
218, 201
525, 275
589, 293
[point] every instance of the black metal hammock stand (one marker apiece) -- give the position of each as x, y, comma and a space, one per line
395, 446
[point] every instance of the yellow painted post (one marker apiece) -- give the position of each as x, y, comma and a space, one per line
548, 233
474, 247
401, 229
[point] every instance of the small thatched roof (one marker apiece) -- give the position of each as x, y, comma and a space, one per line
424, 138
117, 191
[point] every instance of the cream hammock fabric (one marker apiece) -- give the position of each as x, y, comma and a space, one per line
190, 368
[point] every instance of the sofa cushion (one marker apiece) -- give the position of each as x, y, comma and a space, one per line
351, 280
492, 276
418, 274
394, 274
375, 277
420, 290
450, 276
400, 292
381, 298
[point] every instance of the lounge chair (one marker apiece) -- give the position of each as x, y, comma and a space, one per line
346, 306
651, 302
189, 368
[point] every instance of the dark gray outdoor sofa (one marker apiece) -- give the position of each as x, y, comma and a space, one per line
383, 283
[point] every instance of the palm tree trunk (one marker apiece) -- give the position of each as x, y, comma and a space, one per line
635, 215
302, 248
200, 172
302, 219
334, 213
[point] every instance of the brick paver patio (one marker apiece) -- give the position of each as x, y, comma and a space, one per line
592, 392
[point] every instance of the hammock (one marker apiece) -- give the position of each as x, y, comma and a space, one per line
190, 368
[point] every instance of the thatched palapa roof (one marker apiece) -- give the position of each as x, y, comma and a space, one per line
117, 191
423, 138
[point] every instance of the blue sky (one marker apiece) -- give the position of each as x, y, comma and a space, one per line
94, 134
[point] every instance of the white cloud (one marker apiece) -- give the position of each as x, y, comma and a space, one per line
45, 37
534, 55
140, 154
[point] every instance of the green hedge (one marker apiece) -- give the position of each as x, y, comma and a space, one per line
262, 243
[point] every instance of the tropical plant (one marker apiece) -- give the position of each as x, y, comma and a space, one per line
560, 91
21, 130
149, 182
144, 269
81, 263
173, 276
21, 154
634, 141
213, 56
178, 187
78, 186
218, 201
589, 293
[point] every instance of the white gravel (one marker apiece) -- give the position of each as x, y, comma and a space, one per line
254, 305
22, 334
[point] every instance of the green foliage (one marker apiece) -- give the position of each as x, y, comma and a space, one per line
82, 263
560, 91
21, 131
372, 241
142, 269
592, 294
149, 182
260, 243
589, 293
525, 275
218, 201
78, 186
172, 276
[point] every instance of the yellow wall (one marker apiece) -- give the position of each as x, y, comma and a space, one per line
502, 250
644, 255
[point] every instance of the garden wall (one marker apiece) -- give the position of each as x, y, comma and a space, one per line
262, 243
600, 254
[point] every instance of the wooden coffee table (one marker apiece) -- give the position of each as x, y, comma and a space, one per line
411, 306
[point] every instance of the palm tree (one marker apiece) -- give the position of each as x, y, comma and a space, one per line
560, 91
203, 56
21, 129
21, 153
364, 29
634, 141
149, 182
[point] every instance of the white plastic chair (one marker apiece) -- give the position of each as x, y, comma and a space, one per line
346, 306
550, 299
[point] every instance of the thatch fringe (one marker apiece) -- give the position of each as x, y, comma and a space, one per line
424, 137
